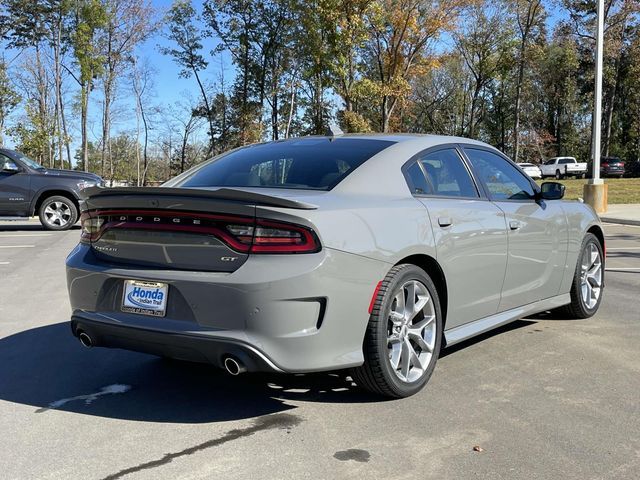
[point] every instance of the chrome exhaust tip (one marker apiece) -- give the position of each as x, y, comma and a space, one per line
233, 366
85, 339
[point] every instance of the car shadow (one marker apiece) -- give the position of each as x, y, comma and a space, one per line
47, 368
491, 333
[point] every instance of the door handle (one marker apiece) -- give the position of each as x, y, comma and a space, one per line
514, 224
444, 221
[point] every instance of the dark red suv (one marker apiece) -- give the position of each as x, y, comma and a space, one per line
611, 167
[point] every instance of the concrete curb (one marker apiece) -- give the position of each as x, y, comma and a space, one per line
622, 221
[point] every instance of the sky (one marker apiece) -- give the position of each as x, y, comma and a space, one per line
168, 87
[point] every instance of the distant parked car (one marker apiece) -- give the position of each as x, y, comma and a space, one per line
531, 169
27, 188
609, 167
561, 167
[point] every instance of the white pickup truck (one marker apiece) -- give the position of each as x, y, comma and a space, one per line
561, 167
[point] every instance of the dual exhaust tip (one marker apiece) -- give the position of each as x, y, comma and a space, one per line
232, 365
85, 339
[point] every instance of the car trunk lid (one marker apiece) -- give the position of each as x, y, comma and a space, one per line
176, 228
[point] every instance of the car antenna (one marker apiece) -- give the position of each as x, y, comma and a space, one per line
334, 130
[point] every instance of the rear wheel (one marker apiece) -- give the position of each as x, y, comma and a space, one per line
558, 175
588, 280
58, 213
402, 341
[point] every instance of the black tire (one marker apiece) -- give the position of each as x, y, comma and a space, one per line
377, 374
578, 309
558, 175
66, 220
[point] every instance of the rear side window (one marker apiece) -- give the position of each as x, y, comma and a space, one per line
308, 163
565, 161
445, 174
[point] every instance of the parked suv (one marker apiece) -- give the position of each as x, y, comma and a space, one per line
610, 167
27, 188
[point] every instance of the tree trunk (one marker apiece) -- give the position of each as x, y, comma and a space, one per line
292, 100
84, 102
516, 121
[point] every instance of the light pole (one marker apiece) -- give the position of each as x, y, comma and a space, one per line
595, 190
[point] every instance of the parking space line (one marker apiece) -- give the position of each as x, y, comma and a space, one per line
630, 269
4, 263
9, 235
622, 248
17, 246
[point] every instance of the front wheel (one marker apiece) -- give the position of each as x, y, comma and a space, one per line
402, 341
58, 213
588, 280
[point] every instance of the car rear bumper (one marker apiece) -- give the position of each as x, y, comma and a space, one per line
293, 313
181, 346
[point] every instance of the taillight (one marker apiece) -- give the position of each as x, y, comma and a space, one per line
276, 237
242, 234
90, 227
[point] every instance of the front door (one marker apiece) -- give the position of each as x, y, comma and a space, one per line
14, 188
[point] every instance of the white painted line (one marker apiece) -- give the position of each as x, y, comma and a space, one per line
4, 263
613, 269
622, 248
25, 235
17, 246
90, 398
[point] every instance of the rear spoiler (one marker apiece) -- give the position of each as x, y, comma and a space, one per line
231, 194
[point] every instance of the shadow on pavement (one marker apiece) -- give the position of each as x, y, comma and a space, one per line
491, 333
47, 368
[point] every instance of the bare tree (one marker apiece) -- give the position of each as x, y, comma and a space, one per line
129, 22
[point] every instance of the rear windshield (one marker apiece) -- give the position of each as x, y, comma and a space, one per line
308, 163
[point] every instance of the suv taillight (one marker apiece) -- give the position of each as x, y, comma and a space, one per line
242, 234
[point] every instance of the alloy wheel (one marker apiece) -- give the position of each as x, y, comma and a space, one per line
411, 333
57, 214
591, 276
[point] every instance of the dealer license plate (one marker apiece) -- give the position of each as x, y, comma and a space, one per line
146, 298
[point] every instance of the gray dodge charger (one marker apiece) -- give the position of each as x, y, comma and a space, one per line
364, 252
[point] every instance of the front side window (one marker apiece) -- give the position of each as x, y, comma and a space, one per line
502, 179
446, 174
308, 163
550, 162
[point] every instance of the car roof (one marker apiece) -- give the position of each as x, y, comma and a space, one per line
392, 137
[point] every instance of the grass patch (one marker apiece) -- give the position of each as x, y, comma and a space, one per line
621, 190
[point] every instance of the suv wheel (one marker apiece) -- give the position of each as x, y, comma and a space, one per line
58, 213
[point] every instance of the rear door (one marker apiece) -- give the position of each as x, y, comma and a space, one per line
469, 232
537, 231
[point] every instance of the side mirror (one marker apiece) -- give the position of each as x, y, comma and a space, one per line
10, 167
552, 191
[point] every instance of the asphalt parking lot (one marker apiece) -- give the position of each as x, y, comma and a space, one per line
543, 398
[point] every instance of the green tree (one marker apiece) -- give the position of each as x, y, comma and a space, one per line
9, 98
90, 18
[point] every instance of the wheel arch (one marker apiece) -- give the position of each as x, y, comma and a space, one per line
42, 196
597, 231
433, 268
